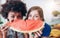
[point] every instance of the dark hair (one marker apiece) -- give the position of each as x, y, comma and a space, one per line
15, 6
40, 11
12, 0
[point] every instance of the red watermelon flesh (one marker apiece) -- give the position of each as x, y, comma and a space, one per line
26, 25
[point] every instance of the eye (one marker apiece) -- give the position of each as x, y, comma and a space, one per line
19, 16
30, 15
36, 16
12, 16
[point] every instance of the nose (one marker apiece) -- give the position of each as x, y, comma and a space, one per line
15, 18
32, 18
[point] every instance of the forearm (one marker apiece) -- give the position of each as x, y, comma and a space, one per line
4, 34
1, 36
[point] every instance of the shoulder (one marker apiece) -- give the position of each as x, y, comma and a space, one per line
47, 26
47, 29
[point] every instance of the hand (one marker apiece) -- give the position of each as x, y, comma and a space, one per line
26, 35
35, 34
4, 30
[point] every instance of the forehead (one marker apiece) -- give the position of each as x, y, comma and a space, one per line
34, 12
14, 13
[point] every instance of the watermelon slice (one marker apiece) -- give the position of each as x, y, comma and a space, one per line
26, 26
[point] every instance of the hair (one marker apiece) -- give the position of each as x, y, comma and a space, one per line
14, 6
40, 11
12, 0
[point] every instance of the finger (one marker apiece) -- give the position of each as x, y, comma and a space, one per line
35, 35
5, 28
38, 33
30, 35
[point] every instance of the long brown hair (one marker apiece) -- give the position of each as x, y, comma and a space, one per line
40, 11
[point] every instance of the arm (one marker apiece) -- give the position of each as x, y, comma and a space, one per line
46, 31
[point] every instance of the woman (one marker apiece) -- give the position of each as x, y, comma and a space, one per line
12, 11
36, 13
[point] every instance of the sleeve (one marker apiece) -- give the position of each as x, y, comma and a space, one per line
46, 31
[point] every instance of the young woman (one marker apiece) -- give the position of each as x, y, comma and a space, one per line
12, 11
36, 13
